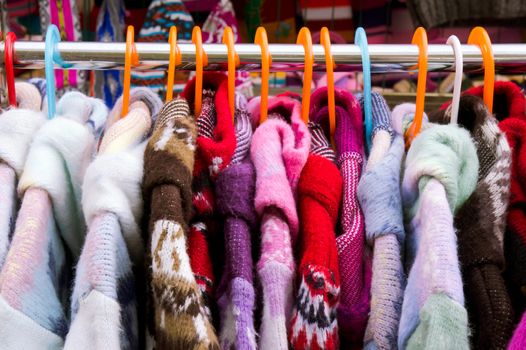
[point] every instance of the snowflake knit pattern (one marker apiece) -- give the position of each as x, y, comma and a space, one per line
314, 320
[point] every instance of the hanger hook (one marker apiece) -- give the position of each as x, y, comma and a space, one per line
9, 60
52, 56
325, 40
201, 61
266, 61
233, 62
131, 58
305, 39
174, 60
459, 71
478, 36
419, 39
360, 39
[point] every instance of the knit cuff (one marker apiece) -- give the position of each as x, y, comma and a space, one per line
139, 94
234, 189
380, 112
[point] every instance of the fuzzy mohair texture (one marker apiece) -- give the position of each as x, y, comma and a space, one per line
440, 173
279, 151
17, 129
50, 230
104, 289
179, 318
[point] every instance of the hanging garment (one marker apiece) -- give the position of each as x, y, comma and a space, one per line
104, 286
381, 202
279, 151
179, 317
216, 144
509, 109
314, 320
440, 173
49, 232
161, 15
110, 28
234, 191
354, 261
17, 129
65, 15
480, 225
213, 29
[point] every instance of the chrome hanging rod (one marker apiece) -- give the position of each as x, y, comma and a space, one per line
509, 58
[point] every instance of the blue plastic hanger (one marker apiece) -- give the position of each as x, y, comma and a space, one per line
360, 39
51, 56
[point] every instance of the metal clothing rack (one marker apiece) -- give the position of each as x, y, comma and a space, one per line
509, 58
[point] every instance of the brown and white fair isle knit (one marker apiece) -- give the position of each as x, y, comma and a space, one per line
480, 224
180, 318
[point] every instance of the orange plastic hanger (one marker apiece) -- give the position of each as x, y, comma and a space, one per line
201, 61
305, 39
131, 58
478, 36
266, 62
419, 39
175, 60
233, 62
325, 40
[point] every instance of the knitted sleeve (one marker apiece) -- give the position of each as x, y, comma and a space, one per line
319, 194
235, 188
380, 199
440, 174
181, 319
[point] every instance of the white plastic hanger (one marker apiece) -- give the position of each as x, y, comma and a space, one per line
459, 72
